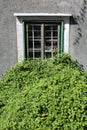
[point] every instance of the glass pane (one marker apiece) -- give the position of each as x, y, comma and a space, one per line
34, 40
55, 34
37, 34
30, 54
37, 54
55, 27
47, 27
37, 44
30, 27
47, 54
48, 33
30, 44
51, 39
54, 44
29, 33
37, 27
47, 45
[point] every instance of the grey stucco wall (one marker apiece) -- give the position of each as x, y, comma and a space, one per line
8, 48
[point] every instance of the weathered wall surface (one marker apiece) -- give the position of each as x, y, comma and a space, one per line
78, 35
78, 31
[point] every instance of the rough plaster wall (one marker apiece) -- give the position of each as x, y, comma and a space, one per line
78, 36
8, 49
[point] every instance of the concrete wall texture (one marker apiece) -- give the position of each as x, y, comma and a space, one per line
78, 27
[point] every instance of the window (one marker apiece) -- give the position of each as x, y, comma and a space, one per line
43, 39
41, 35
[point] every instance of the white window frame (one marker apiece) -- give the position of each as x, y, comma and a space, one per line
20, 17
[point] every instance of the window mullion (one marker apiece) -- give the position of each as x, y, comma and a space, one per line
33, 40
42, 41
62, 37
27, 41
59, 44
52, 41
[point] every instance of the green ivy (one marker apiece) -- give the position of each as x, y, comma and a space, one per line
48, 94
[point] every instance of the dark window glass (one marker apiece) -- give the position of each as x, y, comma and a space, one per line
30, 54
37, 54
48, 54
30, 43
37, 44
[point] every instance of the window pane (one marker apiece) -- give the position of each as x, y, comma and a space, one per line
30, 27
55, 27
30, 43
37, 44
51, 39
37, 34
54, 43
37, 27
47, 27
30, 33
30, 54
47, 54
47, 33
55, 34
37, 54
47, 45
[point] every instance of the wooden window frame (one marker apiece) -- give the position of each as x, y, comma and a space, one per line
60, 37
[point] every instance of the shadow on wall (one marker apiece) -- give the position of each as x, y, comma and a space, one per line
80, 21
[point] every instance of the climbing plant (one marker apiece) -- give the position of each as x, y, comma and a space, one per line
49, 94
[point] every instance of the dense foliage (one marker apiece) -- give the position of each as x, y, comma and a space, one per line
48, 94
